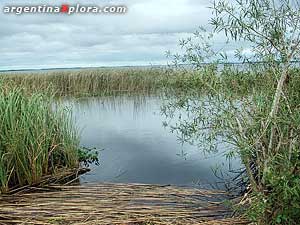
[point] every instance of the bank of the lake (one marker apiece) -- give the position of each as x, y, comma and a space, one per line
37, 139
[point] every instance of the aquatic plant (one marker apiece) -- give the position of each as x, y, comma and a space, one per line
89, 82
168, 80
36, 138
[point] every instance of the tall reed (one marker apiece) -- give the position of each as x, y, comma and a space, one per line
99, 82
89, 82
36, 138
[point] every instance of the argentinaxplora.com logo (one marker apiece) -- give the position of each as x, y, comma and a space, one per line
65, 9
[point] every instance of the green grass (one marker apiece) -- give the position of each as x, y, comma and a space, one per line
36, 138
99, 82
90, 82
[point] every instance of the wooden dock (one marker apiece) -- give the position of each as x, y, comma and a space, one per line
133, 204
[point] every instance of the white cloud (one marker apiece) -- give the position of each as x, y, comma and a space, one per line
139, 37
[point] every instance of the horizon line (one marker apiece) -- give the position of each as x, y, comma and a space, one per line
128, 66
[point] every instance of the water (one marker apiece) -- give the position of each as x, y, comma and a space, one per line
134, 147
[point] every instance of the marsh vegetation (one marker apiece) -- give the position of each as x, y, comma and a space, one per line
94, 82
36, 139
254, 110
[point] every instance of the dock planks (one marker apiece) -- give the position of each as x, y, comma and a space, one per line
107, 203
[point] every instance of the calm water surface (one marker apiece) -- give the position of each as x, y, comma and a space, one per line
134, 147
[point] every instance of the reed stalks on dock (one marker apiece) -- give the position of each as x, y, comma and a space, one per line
126, 204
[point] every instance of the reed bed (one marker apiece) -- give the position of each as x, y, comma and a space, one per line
111, 81
36, 138
117, 204
89, 82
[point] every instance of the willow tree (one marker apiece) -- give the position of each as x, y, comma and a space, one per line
263, 125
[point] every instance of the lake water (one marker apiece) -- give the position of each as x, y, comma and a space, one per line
134, 147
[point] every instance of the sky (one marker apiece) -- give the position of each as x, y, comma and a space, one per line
139, 37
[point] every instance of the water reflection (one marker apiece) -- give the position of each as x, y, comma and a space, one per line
136, 147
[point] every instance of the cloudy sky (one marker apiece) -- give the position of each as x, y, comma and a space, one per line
139, 37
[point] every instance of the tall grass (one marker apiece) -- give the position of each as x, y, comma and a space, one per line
35, 138
106, 82
90, 82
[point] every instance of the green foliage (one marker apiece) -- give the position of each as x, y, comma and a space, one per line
232, 117
270, 27
253, 111
98, 82
36, 138
88, 156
